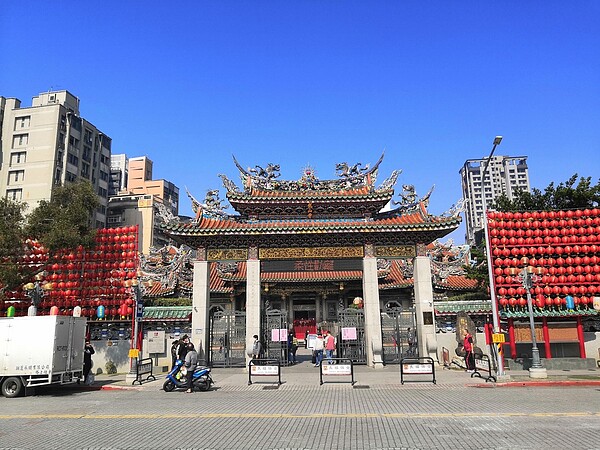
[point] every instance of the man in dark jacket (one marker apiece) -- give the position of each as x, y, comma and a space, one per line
183, 347
88, 351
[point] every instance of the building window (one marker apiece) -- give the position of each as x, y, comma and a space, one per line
20, 140
71, 177
17, 158
71, 158
16, 176
14, 194
22, 122
85, 170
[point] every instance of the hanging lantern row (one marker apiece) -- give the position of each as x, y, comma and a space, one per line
82, 278
559, 246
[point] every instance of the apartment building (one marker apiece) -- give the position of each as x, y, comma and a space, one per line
140, 182
50, 144
135, 199
504, 175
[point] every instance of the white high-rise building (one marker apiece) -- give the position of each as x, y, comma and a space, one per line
504, 175
49, 144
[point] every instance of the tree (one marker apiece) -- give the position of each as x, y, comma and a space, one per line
477, 270
12, 239
64, 222
566, 195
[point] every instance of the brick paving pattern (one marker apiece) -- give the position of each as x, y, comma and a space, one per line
301, 414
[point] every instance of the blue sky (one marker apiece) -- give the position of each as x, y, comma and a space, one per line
191, 83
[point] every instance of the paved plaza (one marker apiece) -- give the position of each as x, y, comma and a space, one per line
458, 412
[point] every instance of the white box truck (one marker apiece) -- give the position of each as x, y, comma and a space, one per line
40, 350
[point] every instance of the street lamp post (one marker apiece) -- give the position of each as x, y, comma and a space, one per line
137, 295
36, 291
488, 254
527, 277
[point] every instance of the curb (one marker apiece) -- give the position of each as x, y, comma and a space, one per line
556, 383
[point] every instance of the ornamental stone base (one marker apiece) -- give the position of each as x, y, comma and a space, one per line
538, 373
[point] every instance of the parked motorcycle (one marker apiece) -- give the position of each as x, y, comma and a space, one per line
175, 379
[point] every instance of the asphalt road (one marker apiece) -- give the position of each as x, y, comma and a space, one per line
234, 415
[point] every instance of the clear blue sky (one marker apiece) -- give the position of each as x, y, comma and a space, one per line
190, 83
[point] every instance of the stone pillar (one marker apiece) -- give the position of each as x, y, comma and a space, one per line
374, 343
318, 302
289, 305
200, 307
427, 339
252, 300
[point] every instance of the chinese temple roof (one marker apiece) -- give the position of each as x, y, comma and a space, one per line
348, 210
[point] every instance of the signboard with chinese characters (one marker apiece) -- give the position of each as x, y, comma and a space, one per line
336, 369
279, 334
348, 333
156, 341
258, 371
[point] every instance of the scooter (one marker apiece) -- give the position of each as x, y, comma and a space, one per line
175, 379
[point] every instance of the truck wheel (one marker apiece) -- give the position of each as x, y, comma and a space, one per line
12, 387
168, 386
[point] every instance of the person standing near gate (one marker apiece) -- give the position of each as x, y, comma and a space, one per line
469, 356
412, 343
318, 349
329, 346
256, 348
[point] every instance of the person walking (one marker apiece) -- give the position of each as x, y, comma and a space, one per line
191, 362
306, 333
256, 348
88, 351
318, 349
469, 356
329, 346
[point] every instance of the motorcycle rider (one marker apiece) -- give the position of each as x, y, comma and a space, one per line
191, 362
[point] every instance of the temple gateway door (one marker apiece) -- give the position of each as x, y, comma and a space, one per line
275, 328
227, 339
354, 349
398, 334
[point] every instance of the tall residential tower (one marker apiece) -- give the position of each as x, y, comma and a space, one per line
504, 175
49, 144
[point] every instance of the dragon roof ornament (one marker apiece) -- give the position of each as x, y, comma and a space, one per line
212, 206
350, 176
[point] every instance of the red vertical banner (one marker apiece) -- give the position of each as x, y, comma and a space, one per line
546, 338
511, 337
580, 337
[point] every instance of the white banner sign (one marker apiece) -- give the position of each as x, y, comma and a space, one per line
416, 368
264, 370
336, 369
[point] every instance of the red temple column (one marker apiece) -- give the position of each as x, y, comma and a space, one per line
580, 337
546, 338
511, 337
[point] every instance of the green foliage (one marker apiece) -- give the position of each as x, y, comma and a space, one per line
12, 238
478, 270
567, 195
66, 220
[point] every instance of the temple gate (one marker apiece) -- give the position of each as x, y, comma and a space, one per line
314, 220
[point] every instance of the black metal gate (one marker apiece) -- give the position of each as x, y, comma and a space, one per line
227, 339
353, 349
275, 320
399, 334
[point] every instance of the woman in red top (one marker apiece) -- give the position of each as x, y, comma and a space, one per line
469, 356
